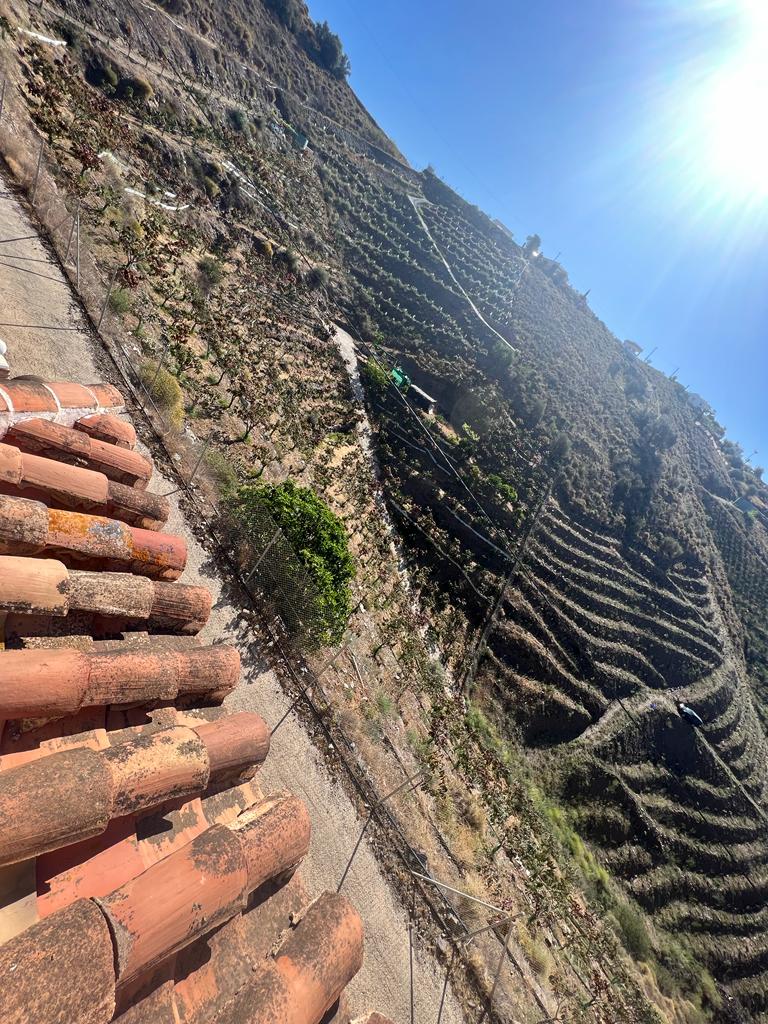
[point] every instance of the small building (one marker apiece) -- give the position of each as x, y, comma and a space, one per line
300, 140
425, 402
749, 505
633, 347
700, 404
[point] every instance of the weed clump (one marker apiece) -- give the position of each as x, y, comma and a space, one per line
165, 391
120, 301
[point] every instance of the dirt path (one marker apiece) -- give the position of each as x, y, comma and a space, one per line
294, 762
35, 294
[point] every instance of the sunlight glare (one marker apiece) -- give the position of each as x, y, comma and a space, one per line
733, 112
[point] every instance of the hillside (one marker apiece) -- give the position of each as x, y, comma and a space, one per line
546, 564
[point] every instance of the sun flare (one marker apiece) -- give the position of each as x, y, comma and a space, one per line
732, 112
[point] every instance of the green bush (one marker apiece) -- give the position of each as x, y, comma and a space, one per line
288, 258
264, 248
375, 378
326, 49
307, 577
317, 277
632, 930
120, 301
289, 12
109, 78
507, 491
237, 119
137, 89
165, 391
211, 187
211, 270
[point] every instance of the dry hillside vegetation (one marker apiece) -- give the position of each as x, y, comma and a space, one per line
575, 548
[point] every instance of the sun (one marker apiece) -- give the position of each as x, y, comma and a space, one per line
735, 114
731, 111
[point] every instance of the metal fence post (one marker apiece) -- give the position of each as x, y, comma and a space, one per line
445, 986
37, 171
71, 234
2, 99
106, 301
77, 262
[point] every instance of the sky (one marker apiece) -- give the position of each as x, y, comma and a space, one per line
631, 135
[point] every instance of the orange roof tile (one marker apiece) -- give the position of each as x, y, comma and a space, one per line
105, 427
31, 528
76, 448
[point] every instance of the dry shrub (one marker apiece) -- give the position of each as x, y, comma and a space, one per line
473, 915
535, 952
165, 391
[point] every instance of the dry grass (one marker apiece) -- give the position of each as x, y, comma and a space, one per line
534, 951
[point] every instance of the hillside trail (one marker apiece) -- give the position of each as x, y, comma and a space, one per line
45, 299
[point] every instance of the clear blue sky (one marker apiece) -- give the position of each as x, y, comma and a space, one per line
619, 131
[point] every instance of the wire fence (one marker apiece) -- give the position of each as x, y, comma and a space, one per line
277, 589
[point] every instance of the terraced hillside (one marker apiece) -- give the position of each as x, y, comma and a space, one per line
642, 583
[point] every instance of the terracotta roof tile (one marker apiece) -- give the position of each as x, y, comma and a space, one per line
131, 844
309, 971
76, 488
66, 797
105, 427
76, 448
30, 528
61, 969
59, 682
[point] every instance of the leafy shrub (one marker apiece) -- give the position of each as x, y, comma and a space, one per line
289, 12
211, 187
237, 119
102, 75
375, 378
326, 50
120, 301
211, 270
632, 930
165, 391
317, 566
137, 89
288, 258
561, 448
317, 277
670, 549
507, 491
264, 248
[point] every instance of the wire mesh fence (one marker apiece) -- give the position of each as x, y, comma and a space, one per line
266, 565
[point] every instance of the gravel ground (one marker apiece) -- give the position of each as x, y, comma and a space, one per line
39, 294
